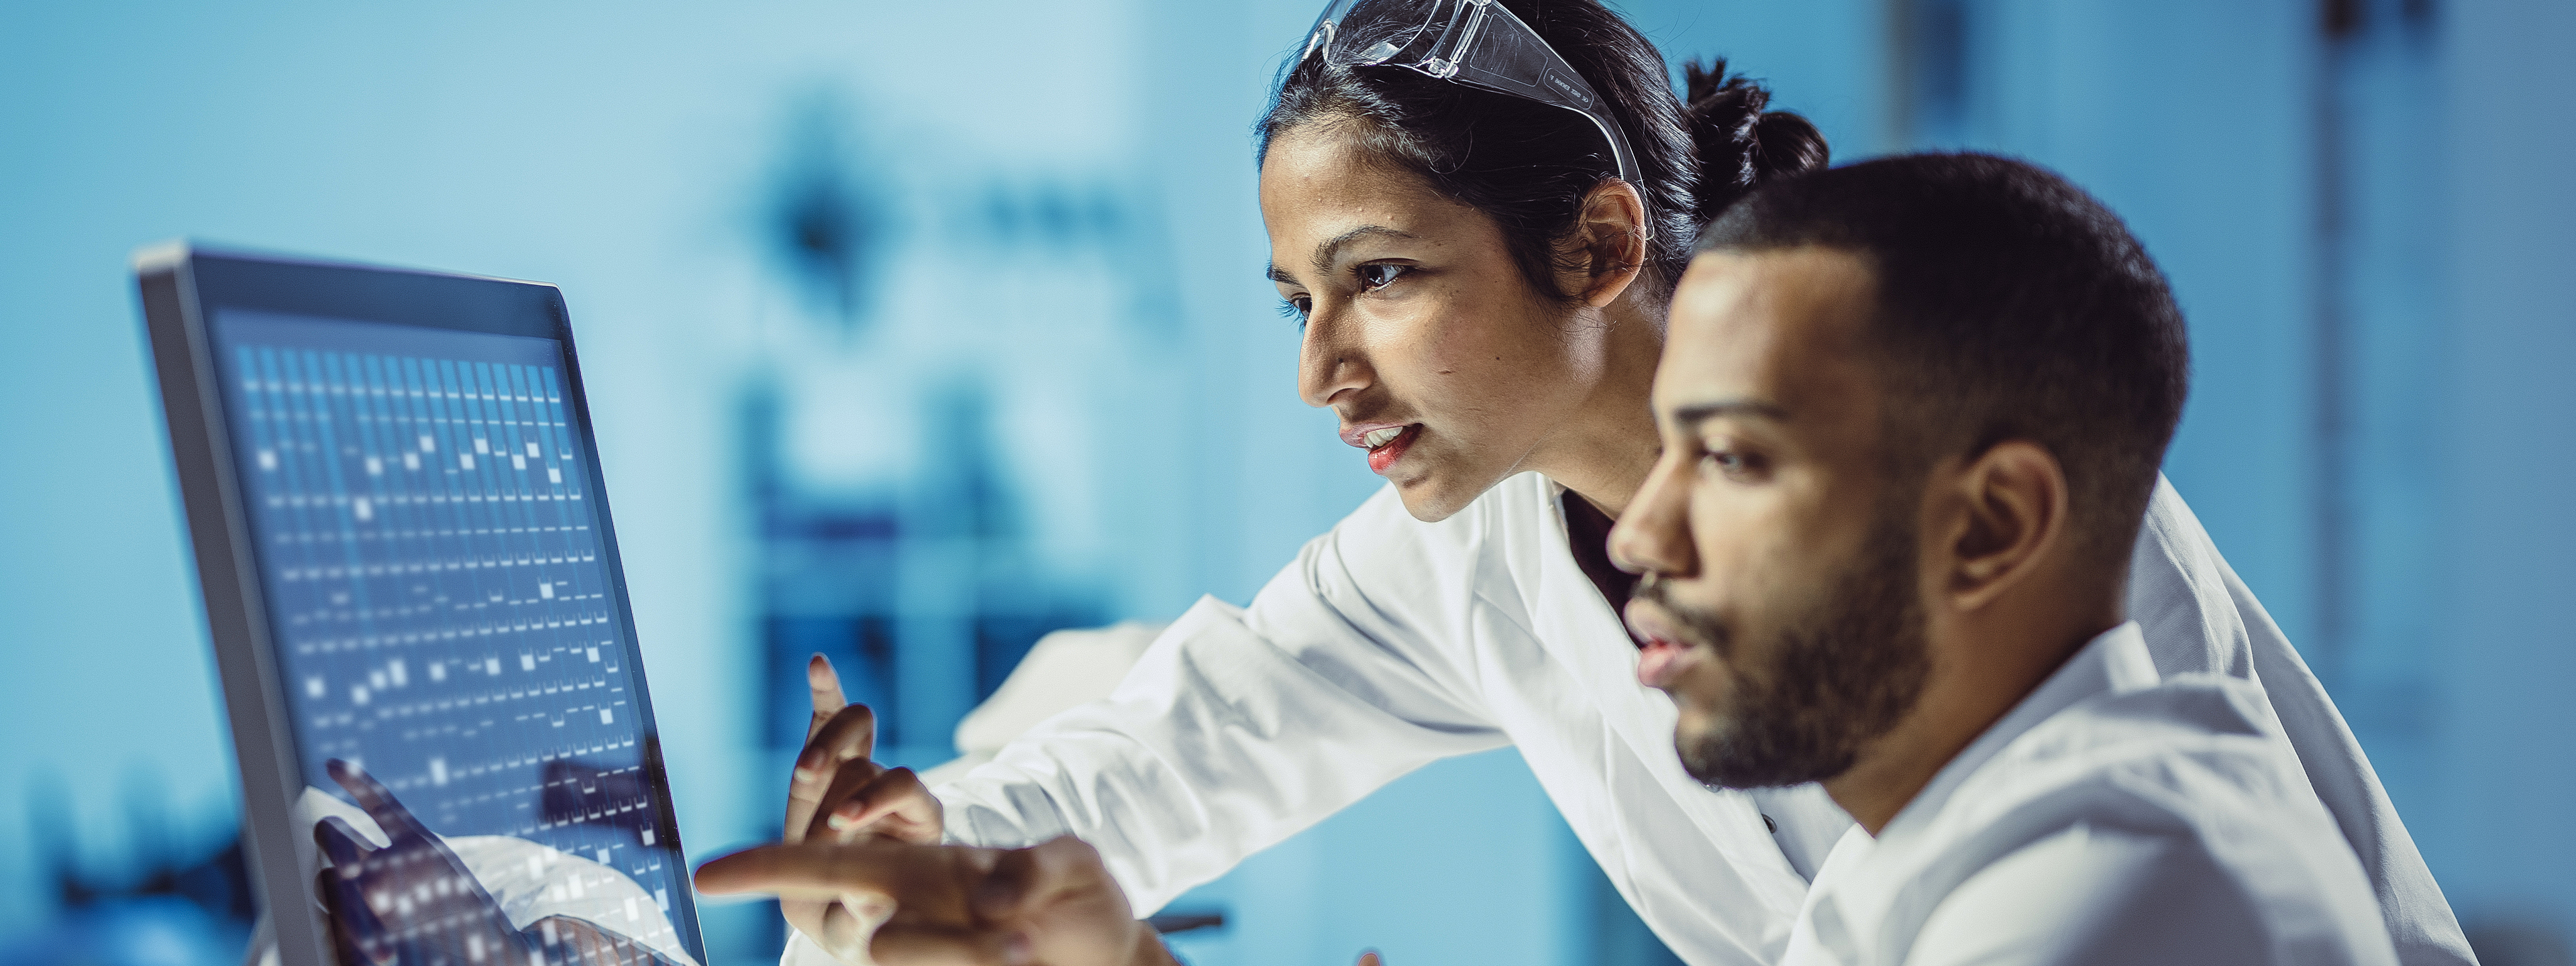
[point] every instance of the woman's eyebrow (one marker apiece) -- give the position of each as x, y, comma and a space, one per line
1332, 247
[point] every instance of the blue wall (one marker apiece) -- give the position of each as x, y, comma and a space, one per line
2501, 453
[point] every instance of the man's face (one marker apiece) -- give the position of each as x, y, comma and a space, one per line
1781, 607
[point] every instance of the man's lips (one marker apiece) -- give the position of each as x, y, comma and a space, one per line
1663, 654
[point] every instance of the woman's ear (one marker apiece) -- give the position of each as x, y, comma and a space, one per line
2012, 507
1608, 246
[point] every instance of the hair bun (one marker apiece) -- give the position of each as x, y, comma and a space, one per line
1739, 143
1786, 143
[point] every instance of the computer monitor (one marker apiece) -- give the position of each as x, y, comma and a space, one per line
417, 612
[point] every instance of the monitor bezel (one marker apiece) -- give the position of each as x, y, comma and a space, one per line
182, 287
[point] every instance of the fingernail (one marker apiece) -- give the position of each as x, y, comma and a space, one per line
837, 822
1015, 950
874, 910
804, 774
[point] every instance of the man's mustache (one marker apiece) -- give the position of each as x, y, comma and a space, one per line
1702, 626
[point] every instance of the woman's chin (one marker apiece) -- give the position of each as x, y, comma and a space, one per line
1434, 496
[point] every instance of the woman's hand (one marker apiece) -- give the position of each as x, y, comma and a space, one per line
1054, 904
839, 795
837, 789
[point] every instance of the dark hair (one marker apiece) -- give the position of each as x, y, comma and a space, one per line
1529, 166
2010, 305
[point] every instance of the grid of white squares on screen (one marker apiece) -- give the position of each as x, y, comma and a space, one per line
317, 433
425, 598
535, 693
403, 414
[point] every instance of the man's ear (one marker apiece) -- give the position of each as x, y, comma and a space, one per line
2010, 506
1608, 246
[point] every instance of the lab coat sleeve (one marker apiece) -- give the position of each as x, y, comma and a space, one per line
1240, 727
2200, 617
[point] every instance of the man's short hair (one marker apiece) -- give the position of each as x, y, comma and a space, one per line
2010, 305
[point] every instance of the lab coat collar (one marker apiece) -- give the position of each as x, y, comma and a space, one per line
1591, 641
2114, 662
1846, 910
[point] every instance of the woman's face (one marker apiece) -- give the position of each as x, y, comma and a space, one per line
1421, 333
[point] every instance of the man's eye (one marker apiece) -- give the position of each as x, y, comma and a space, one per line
1378, 276
1728, 462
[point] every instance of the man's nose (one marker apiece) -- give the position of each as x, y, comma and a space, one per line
1653, 536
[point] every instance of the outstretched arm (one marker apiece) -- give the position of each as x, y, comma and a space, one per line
1239, 726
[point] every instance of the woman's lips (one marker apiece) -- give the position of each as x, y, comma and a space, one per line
1386, 442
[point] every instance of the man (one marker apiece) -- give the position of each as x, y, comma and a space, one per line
1912, 412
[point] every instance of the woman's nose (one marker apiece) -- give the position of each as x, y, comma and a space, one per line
1327, 364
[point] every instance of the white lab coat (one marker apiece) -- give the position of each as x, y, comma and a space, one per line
2111, 817
1390, 643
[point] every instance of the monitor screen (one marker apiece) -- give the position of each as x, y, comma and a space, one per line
444, 617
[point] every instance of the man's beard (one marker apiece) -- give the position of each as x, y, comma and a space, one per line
1839, 677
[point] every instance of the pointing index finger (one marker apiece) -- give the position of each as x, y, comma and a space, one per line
926, 882
825, 683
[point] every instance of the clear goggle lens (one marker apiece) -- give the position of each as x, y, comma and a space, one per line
1369, 33
1477, 43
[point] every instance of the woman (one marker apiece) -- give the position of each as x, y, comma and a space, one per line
1482, 279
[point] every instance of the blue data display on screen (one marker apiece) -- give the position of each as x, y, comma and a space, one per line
442, 614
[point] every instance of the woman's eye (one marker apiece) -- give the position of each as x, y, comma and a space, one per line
1378, 276
1296, 307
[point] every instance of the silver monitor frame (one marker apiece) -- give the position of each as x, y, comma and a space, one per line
179, 284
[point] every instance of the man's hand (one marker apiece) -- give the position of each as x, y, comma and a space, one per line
1054, 904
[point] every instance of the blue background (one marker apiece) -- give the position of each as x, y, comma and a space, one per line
925, 296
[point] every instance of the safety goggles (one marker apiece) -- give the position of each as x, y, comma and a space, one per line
1473, 42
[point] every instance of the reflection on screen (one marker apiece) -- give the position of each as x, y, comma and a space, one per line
442, 615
